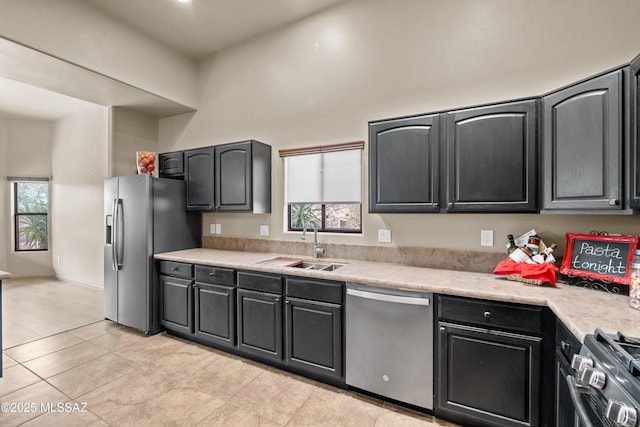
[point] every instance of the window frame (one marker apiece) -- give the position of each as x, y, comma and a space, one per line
17, 215
319, 149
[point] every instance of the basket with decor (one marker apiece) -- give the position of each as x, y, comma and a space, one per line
529, 261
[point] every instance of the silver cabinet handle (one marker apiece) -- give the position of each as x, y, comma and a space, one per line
388, 298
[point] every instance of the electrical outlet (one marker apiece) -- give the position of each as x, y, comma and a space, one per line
212, 228
384, 236
264, 230
218, 228
486, 237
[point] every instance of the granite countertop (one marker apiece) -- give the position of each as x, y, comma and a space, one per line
581, 310
4, 275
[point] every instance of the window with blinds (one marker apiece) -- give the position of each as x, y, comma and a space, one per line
324, 184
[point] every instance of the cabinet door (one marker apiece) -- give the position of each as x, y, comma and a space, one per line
634, 130
176, 304
583, 145
171, 164
404, 165
260, 324
199, 174
233, 177
314, 336
491, 158
488, 376
215, 313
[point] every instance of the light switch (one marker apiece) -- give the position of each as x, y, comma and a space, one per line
212, 228
264, 230
218, 228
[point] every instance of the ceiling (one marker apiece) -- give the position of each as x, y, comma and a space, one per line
195, 29
202, 27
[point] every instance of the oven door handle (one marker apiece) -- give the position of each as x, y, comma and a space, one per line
577, 403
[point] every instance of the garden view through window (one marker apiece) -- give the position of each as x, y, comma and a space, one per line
31, 207
345, 218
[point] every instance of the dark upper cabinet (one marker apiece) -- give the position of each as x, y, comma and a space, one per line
171, 165
583, 146
243, 177
404, 165
634, 130
491, 154
199, 174
230, 177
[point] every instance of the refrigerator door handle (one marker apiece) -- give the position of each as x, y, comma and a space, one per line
116, 230
114, 264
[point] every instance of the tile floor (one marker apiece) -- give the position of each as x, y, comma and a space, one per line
35, 308
103, 374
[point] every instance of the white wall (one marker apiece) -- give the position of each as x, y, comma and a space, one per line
321, 80
130, 132
74, 31
4, 197
27, 154
79, 153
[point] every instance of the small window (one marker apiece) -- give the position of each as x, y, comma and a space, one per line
31, 208
323, 184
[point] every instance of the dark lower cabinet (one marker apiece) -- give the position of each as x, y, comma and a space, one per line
176, 299
260, 324
492, 367
214, 314
490, 377
314, 336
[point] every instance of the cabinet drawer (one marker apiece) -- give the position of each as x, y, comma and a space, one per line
217, 275
260, 282
491, 314
176, 269
314, 290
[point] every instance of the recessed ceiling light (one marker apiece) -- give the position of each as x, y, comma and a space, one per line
184, 1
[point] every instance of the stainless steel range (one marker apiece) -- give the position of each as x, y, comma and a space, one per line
605, 388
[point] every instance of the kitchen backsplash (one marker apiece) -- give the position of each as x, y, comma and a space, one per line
460, 260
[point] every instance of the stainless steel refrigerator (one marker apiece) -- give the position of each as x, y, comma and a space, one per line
142, 216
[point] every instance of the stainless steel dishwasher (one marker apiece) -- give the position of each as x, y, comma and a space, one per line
389, 343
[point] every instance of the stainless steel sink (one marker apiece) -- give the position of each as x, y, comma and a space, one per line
298, 263
314, 265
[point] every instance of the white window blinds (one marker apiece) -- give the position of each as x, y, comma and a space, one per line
324, 177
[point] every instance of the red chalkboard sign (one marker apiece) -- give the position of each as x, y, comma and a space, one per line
604, 258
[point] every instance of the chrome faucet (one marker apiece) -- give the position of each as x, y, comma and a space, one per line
317, 250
